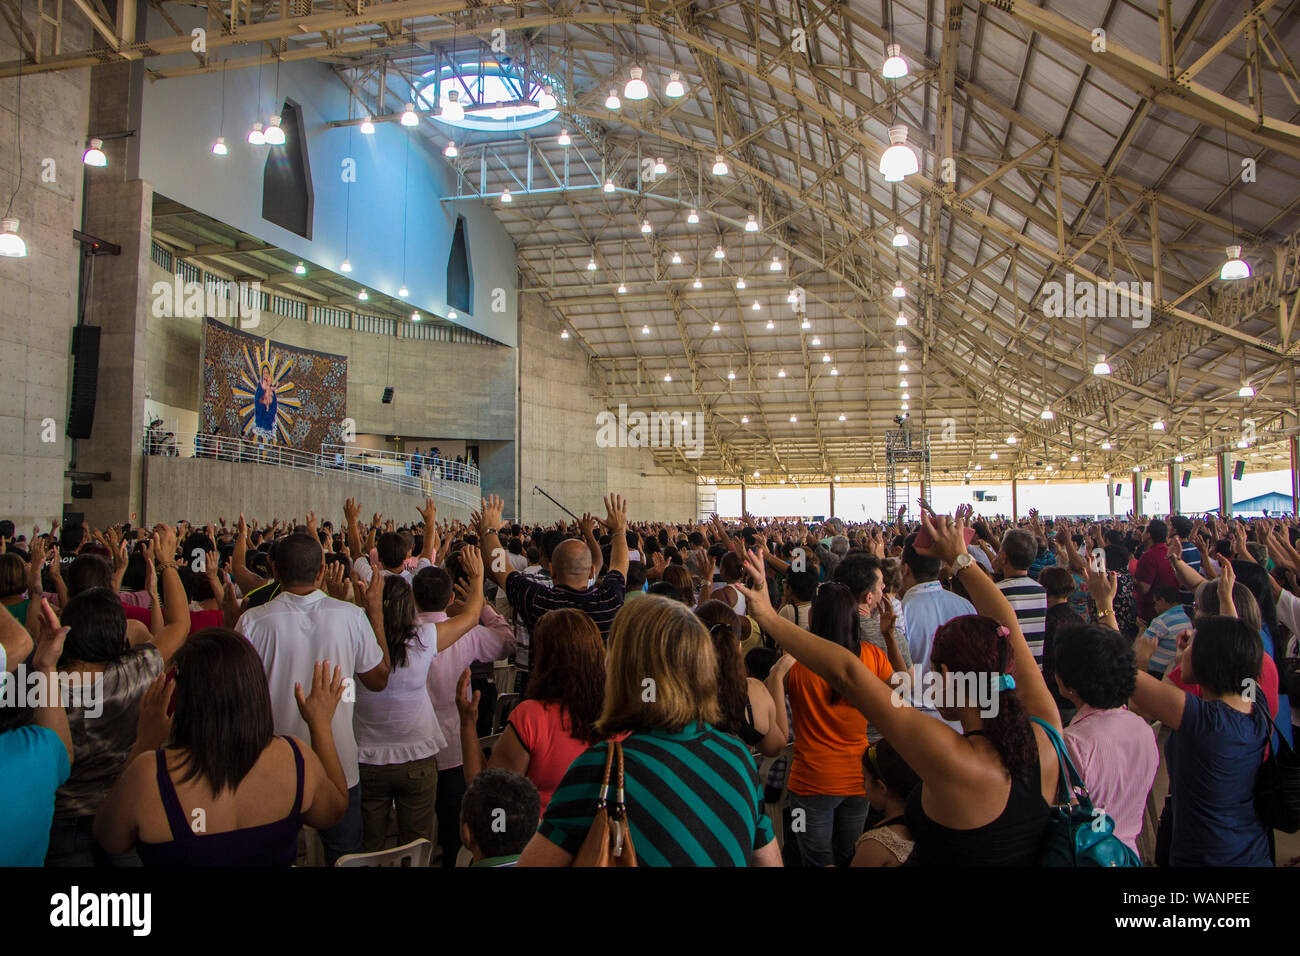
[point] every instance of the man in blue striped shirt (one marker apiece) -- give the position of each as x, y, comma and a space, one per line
1171, 618
1027, 597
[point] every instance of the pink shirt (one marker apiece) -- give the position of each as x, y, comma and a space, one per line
1115, 751
491, 640
543, 729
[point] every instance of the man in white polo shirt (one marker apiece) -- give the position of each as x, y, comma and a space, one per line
299, 627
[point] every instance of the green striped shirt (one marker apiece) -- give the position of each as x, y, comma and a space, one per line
693, 799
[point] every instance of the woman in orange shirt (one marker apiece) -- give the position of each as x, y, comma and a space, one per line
827, 795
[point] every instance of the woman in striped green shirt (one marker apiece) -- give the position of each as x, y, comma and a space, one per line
692, 792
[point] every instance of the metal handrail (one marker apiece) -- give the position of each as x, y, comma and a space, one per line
410, 474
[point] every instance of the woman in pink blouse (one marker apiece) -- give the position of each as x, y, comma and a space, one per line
556, 720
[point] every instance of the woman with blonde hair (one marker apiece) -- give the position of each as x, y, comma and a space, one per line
692, 792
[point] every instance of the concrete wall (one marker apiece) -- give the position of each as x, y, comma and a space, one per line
370, 192
452, 390
38, 294
201, 490
558, 403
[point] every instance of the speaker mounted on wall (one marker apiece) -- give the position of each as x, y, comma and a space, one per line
1238, 470
85, 380
1147, 485
1187, 478
388, 395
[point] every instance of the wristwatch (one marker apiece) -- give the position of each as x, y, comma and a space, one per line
962, 562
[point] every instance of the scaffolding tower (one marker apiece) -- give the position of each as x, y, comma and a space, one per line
905, 447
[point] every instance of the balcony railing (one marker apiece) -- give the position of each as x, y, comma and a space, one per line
413, 474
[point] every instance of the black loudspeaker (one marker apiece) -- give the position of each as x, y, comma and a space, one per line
388, 396
1239, 470
979, 495
72, 517
1119, 490
85, 379
1147, 486
83, 490
1187, 478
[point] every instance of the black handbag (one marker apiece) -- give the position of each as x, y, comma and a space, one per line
1277, 785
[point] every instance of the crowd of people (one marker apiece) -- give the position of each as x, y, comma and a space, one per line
615, 692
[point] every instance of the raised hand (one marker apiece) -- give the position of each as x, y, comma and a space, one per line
153, 728
616, 514
429, 513
318, 706
492, 506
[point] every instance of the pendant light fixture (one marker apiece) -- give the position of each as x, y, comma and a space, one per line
899, 160
636, 88
274, 135
219, 147
675, 87
367, 126
564, 139
451, 152
720, 167
94, 154
612, 102
409, 118
895, 67
452, 110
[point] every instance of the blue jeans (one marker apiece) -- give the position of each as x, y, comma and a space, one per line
72, 843
345, 836
830, 827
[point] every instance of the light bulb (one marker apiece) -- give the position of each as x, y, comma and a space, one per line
300, 269
993, 456
805, 324
564, 139
1246, 391
408, 116
622, 289
1234, 267
345, 266
646, 228
591, 264
94, 156
697, 284
636, 88
564, 333
900, 348
826, 357
645, 330
661, 168
905, 406
902, 383
781, 374
900, 238
1158, 425
274, 134
363, 295
546, 99
775, 265
1047, 415
505, 195
901, 321
677, 258
1101, 368
816, 341
793, 419
719, 253
770, 325
717, 327
898, 160
403, 292
12, 245
612, 102
835, 371
219, 147
692, 217
255, 136
668, 376
609, 186
452, 111
1076, 458
740, 283
451, 151
756, 306
895, 66
744, 420
720, 167
675, 87
899, 292
902, 367
367, 127
731, 374
1012, 439
751, 224
1105, 446
906, 395
415, 316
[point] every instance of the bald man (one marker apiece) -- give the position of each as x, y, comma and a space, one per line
571, 569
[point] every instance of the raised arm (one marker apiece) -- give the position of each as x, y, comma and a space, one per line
245, 578
588, 524
471, 593
489, 545
176, 608
616, 523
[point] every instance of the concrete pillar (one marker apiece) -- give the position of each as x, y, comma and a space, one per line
831, 485
1224, 462
1110, 496
1015, 507
1294, 444
742, 498
1138, 480
1175, 491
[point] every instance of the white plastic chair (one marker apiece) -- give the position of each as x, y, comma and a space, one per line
416, 853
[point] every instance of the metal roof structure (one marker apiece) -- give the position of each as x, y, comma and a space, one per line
1060, 145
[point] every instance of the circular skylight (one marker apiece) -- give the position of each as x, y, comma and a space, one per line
495, 95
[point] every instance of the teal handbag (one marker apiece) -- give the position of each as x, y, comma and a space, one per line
1077, 833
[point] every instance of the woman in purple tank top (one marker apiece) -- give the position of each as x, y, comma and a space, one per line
226, 791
